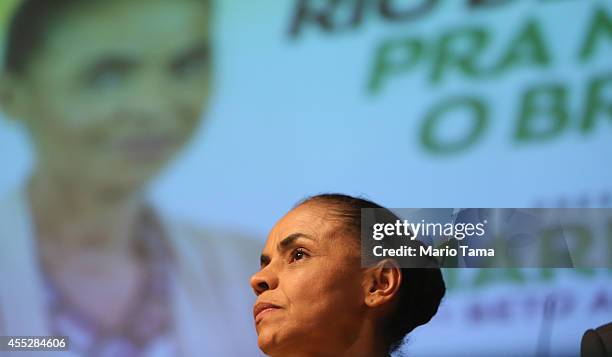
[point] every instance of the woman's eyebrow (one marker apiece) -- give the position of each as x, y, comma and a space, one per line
197, 52
290, 240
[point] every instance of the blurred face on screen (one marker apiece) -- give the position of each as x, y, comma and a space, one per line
309, 293
116, 89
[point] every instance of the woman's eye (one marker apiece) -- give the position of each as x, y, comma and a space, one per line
109, 79
108, 74
189, 66
298, 254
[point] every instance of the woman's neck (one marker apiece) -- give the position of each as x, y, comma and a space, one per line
73, 216
370, 343
367, 343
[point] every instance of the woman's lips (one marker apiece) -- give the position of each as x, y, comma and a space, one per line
261, 309
147, 147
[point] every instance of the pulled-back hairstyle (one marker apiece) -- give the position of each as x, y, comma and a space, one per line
421, 289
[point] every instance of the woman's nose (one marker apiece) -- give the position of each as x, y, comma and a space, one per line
150, 102
263, 280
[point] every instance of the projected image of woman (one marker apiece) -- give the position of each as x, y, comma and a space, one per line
109, 92
315, 299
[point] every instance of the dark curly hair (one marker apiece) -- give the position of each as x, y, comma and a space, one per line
421, 289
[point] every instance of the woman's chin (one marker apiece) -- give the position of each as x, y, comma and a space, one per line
274, 341
123, 181
264, 345
268, 341
133, 174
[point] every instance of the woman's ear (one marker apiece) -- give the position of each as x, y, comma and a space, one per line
11, 97
382, 283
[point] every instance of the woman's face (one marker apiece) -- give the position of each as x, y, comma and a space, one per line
312, 278
116, 89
